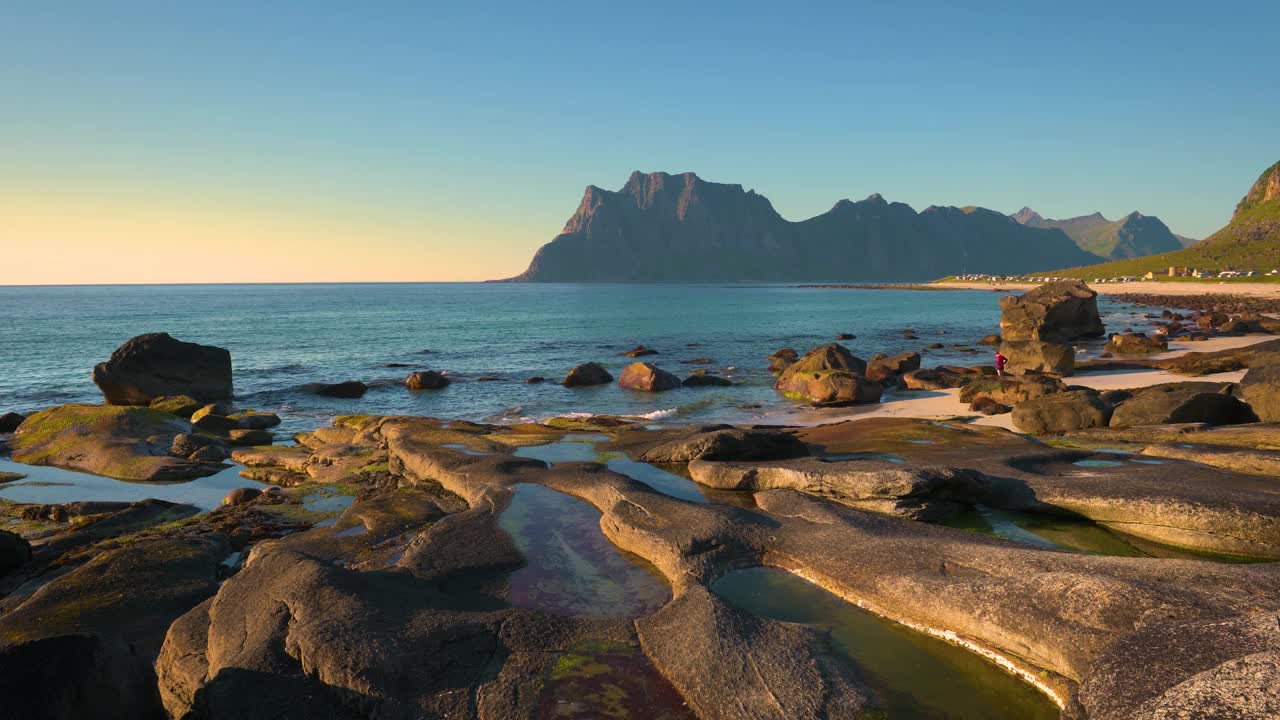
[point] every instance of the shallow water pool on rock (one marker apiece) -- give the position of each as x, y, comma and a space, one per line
571, 567
1097, 463
1064, 533
51, 485
665, 482
582, 448
912, 676
570, 448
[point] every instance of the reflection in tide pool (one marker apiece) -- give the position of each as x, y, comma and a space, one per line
570, 448
571, 568
52, 485
1097, 463
667, 483
910, 674
1064, 533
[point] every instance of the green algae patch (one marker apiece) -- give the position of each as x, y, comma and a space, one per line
106, 440
608, 680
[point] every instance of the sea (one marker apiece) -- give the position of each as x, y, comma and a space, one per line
284, 337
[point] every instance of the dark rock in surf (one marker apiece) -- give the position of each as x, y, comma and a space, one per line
426, 380
587, 374
156, 365
647, 377
10, 422
348, 390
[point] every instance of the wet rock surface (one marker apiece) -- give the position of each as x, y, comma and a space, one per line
128, 443
419, 568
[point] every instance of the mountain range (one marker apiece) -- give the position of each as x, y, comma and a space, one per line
681, 228
1251, 241
1133, 235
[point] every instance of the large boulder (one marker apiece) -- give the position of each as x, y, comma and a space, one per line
1061, 412
157, 365
647, 377
829, 375
587, 374
1261, 389
1038, 356
1056, 312
128, 443
882, 368
14, 551
1136, 344
1010, 390
1191, 402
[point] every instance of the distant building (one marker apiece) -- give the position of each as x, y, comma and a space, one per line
1175, 271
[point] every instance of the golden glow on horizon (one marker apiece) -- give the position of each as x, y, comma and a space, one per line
73, 241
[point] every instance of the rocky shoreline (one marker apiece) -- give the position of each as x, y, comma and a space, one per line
406, 567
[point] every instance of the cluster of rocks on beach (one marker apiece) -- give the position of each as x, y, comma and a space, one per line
395, 600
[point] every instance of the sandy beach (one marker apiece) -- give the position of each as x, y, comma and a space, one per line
938, 404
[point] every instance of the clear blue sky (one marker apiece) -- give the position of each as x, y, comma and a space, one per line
450, 141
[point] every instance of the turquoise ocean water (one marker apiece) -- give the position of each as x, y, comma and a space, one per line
282, 337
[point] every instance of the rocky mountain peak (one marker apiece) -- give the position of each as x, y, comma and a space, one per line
1266, 191
1026, 216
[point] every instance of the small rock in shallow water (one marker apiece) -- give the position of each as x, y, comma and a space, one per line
647, 377
426, 380
240, 496
587, 374
10, 422
348, 390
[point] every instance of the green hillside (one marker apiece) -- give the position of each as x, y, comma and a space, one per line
1251, 241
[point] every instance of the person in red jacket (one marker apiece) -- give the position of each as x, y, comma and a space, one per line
1001, 361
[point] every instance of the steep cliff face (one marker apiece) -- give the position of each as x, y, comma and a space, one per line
681, 228
1133, 235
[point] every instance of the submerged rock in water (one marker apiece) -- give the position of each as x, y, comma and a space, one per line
156, 365
587, 374
706, 380
128, 443
647, 377
782, 359
426, 380
348, 390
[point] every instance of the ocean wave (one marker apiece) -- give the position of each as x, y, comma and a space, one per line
658, 414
